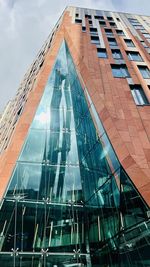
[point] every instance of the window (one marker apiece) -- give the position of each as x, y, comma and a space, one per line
138, 95
119, 32
129, 43
77, 15
134, 56
78, 21
108, 32
139, 27
135, 24
95, 40
88, 16
132, 20
83, 28
98, 17
112, 41
102, 23
144, 44
109, 18
143, 31
118, 19
116, 54
93, 31
144, 72
101, 52
120, 71
112, 24
90, 22
146, 35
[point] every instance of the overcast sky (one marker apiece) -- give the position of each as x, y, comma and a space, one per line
25, 25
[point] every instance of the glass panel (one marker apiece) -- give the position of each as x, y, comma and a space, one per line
101, 53
129, 43
112, 41
125, 71
117, 72
35, 146
26, 181
117, 54
145, 72
134, 56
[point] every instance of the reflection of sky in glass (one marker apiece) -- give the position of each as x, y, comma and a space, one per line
34, 147
41, 119
26, 176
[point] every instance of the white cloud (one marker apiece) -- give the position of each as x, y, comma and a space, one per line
24, 26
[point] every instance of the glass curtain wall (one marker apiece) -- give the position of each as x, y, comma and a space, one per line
69, 201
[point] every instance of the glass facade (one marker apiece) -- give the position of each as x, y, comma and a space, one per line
69, 201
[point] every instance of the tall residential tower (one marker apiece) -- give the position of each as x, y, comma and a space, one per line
75, 148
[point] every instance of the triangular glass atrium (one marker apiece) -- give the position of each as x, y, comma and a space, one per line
69, 201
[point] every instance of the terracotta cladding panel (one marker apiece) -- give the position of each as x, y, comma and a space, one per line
126, 124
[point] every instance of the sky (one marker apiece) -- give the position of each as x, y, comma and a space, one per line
26, 24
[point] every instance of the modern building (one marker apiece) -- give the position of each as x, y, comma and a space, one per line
75, 148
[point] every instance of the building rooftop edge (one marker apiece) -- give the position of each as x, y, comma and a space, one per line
115, 11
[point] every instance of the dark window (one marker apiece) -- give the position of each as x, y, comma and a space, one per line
101, 52
78, 21
95, 40
144, 72
90, 22
98, 17
120, 71
112, 24
138, 95
93, 31
109, 18
129, 43
41, 64
134, 56
77, 15
119, 32
112, 41
88, 16
116, 54
83, 28
102, 23
108, 32
118, 19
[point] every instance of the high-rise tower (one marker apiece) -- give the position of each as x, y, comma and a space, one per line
75, 150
